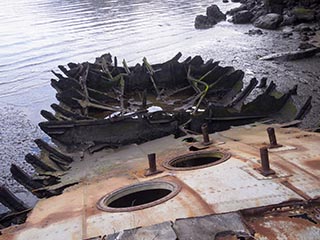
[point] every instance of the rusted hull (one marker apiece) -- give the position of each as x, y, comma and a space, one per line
235, 184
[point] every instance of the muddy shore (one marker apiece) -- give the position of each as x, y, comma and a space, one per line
16, 139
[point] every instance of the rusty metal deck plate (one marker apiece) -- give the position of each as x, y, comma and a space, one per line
232, 185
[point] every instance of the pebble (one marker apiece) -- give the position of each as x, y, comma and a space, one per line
16, 140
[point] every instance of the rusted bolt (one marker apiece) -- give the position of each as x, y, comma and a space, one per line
265, 166
152, 165
272, 138
206, 139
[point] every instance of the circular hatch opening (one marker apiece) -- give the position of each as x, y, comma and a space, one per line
196, 160
138, 196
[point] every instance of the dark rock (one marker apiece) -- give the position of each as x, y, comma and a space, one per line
269, 21
306, 45
305, 38
303, 14
303, 28
214, 12
237, 9
311, 33
288, 20
235, 1
242, 17
275, 7
286, 34
204, 22
258, 13
225, 1
263, 82
214, 15
254, 32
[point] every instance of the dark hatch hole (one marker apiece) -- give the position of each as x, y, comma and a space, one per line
196, 160
139, 198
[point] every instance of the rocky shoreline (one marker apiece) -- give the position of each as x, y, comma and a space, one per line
274, 14
289, 15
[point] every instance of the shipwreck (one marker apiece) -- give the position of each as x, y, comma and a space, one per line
176, 150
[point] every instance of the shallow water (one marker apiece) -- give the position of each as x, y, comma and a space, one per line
38, 35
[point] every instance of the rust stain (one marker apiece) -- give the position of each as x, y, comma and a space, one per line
272, 225
304, 136
259, 230
295, 166
95, 191
314, 164
53, 218
296, 190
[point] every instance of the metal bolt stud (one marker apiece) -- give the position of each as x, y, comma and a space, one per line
152, 165
206, 139
265, 166
272, 138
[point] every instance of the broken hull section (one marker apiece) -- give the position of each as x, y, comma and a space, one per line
108, 132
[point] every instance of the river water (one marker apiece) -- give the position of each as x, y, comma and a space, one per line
38, 35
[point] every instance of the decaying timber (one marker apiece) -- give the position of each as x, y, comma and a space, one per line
293, 55
105, 104
102, 105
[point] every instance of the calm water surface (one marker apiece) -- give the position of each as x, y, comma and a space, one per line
38, 35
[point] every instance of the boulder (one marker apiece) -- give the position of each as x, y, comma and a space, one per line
269, 21
258, 13
242, 17
233, 11
254, 32
303, 27
204, 22
288, 20
303, 14
306, 45
214, 15
214, 12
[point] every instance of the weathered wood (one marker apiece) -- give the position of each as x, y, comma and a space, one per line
68, 114
24, 179
45, 146
241, 97
8, 199
270, 88
48, 115
121, 132
293, 55
304, 110
38, 163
